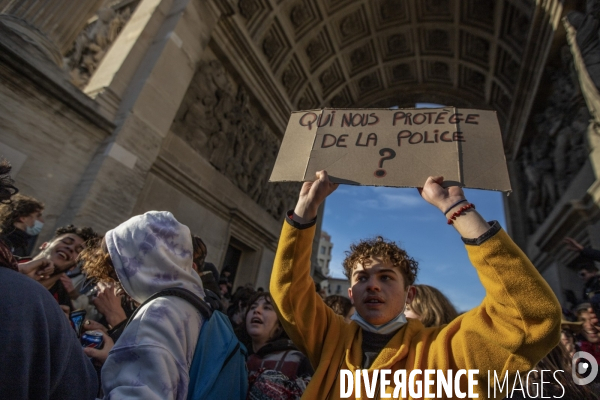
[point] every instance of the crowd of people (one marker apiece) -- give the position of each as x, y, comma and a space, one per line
130, 314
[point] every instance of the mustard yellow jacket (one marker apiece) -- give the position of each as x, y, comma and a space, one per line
516, 325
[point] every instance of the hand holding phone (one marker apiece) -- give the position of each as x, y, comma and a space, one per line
77, 318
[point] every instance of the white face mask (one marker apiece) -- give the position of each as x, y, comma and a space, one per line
35, 229
396, 323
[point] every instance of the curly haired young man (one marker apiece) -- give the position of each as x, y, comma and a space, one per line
56, 257
21, 221
515, 326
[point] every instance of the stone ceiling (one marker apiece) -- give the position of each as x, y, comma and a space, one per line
342, 53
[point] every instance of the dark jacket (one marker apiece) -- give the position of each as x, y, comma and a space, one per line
21, 244
41, 356
58, 290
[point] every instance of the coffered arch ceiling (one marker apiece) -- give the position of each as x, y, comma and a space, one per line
359, 53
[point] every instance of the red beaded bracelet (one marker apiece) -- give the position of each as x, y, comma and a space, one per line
459, 212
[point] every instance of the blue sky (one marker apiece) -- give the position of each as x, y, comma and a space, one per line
399, 214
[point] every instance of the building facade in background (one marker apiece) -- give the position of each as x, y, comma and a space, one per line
112, 108
324, 254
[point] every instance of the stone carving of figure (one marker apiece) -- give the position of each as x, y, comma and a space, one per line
579, 146
588, 39
92, 44
259, 175
561, 149
558, 151
217, 121
540, 186
532, 176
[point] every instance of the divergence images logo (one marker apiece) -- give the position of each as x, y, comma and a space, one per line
588, 366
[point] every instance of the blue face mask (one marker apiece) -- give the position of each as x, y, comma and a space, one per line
35, 229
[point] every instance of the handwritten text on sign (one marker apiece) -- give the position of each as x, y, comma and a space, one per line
343, 142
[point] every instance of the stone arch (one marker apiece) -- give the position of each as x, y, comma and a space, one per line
339, 53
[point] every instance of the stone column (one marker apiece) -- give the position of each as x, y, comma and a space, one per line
52, 25
589, 89
147, 72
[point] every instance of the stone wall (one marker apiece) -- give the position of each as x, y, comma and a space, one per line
95, 40
51, 140
556, 147
219, 120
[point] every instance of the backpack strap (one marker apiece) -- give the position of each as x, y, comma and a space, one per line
182, 293
281, 361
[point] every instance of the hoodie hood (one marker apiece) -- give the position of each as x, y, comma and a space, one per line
152, 252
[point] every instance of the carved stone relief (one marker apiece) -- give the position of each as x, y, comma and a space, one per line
369, 83
292, 77
362, 58
398, 45
319, 49
391, 12
299, 16
331, 78
476, 45
558, 149
475, 49
472, 80
248, 8
304, 16
436, 71
436, 41
434, 10
217, 121
94, 41
342, 99
352, 27
588, 38
402, 73
308, 100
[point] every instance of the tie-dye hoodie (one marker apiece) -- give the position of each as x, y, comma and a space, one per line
151, 359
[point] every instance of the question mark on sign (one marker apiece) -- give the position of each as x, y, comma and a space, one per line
386, 154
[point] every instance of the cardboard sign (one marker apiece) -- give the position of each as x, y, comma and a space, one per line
401, 148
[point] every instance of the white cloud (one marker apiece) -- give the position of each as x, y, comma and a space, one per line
381, 199
369, 203
400, 200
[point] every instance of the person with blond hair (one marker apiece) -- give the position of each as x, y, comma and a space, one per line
431, 307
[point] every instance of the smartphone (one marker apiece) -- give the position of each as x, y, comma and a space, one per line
77, 317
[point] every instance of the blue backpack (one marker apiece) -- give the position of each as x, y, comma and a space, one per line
218, 369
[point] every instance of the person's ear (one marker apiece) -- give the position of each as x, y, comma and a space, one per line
44, 246
350, 295
411, 293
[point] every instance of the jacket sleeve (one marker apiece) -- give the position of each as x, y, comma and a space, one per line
152, 357
74, 375
517, 323
305, 317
